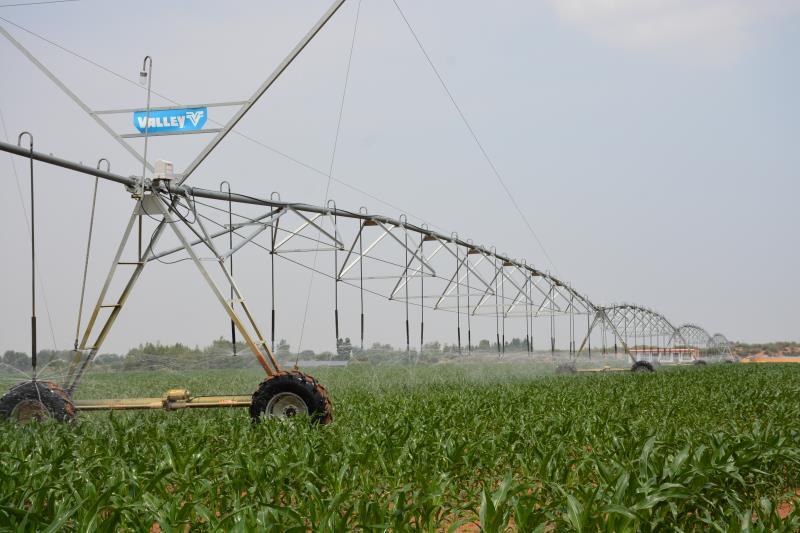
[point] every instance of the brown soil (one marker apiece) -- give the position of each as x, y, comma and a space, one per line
784, 508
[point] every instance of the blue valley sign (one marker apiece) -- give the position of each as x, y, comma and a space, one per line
171, 120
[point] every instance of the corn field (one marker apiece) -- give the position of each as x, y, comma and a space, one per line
436, 448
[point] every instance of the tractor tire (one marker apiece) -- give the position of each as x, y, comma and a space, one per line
36, 400
566, 369
642, 366
700, 362
289, 394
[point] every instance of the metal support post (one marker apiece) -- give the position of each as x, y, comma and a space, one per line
230, 247
34, 351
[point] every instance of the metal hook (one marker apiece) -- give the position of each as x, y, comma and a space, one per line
147, 62
330, 202
403, 219
275, 196
108, 164
363, 210
30, 136
230, 211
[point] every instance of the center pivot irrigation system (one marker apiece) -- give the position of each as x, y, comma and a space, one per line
424, 270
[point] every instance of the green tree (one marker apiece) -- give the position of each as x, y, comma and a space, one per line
18, 360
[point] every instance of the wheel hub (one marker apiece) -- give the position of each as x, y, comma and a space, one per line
286, 405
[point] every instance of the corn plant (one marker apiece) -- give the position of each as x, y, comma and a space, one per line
425, 449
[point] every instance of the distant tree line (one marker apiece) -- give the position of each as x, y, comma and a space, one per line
220, 354
769, 348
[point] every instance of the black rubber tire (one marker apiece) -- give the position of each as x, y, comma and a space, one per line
306, 387
642, 366
566, 369
49, 396
700, 362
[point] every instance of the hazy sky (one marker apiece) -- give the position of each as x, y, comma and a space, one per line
653, 145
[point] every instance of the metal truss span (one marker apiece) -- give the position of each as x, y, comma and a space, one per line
647, 335
412, 264
459, 266
722, 345
391, 258
644, 334
694, 335
397, 260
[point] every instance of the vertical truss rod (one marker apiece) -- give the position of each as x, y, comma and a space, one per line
455, 280
547, 295
601, 316
361, 255
520, 291
417, 270
402, 280
522, 294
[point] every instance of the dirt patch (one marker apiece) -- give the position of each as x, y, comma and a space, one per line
785, 507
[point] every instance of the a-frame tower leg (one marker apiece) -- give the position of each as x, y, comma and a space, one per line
85, 353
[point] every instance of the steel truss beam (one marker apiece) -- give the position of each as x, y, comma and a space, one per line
645, 322
486, 272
